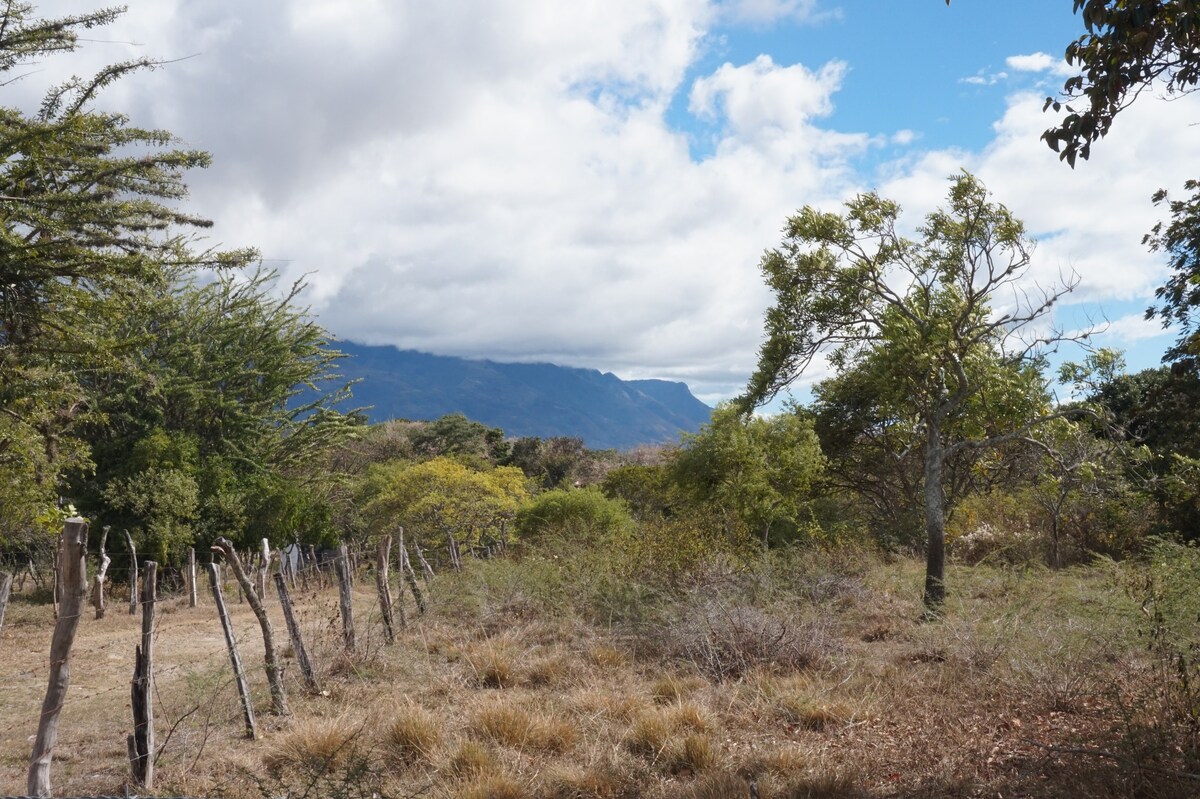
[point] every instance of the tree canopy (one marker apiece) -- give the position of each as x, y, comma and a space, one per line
942, 328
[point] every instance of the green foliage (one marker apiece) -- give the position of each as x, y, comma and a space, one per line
760, 469
1127, 47
442, 499
221, 403
1179, 298
88, 212
648, 491
555, 462
573, 516
455, 434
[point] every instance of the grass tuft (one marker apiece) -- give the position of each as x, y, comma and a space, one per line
412, 737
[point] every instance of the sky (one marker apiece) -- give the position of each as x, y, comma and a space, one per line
592, 183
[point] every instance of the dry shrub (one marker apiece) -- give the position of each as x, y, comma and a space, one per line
412, 737
471, 759
516, 727
313, 746
727, 642
494, 786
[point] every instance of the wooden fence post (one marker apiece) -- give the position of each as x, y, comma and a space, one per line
141, 743
133, 573
410, 576
271, 662
289, 616
264, 563
239, 674
382, 555
191, 577
73, 564
6, 581
98, 584
342, 564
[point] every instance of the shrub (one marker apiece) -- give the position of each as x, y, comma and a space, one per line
572, 516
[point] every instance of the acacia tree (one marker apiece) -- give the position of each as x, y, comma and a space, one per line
88, 210
944, 327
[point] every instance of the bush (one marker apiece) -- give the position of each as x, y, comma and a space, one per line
575, 516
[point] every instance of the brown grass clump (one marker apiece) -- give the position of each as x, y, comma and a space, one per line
809, 713
689, 716
719, 785
693, 753
513, 726
471, 759
546, 672
493, 665
606, 657
671, 689
648, 736
495, 786
571, 782
614, 707
313, 746
412, 737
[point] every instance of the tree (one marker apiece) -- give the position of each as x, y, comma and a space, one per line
225, 394
445, 500
88, 210
917, 319
761, 469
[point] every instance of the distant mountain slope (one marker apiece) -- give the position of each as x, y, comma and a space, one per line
525, 399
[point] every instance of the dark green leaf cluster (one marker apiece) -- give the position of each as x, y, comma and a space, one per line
1128, 46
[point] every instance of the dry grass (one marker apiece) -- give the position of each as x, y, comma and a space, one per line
412, 737
800, 693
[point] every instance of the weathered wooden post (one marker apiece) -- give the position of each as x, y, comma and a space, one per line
382, 555
271, 658
342, 564
191, 577
410, 576
426, 569
264, 562
73, 564
133, 573
6, 581
141, 743
98, 583
289, 616
239, 674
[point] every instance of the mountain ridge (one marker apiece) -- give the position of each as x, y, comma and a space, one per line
524, 399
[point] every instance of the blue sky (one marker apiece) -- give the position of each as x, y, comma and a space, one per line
592, 183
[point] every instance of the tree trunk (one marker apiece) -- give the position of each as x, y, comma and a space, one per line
98, 583
271, 662
73, 564
239, 674
6, 581
381, 586
344, 599
141, 743
133, 573
935, 521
